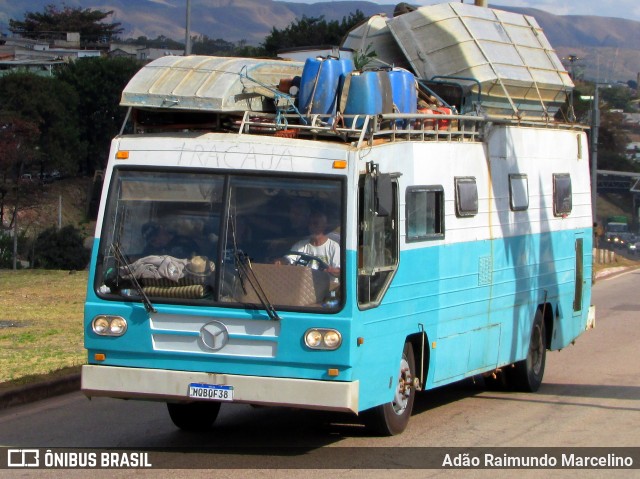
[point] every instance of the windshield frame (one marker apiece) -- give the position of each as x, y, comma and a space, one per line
228, 177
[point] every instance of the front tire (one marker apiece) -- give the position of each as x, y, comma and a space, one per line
392, 418
526, 375
195, 416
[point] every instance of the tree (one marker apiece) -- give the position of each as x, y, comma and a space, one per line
617, 97
17, 140
6, 249
98, 83
311, 31
203, 45
159, 42
60, 249
612, 142
612, 135
53, 107
89, 23
17, 148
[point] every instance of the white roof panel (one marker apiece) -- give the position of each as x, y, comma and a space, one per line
208, 83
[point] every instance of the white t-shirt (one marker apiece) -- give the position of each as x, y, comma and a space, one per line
329, 252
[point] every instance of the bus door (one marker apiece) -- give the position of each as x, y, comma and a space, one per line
377, 235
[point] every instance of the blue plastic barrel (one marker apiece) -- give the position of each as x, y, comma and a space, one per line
320, 83
403, 88
368, 93
405, 96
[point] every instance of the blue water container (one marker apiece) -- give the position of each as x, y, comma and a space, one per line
403, 88
405, 95
320, 83
367, 93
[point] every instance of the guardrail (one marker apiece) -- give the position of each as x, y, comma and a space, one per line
603, 256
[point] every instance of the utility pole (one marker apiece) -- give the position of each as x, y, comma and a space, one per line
15, 213
595, 125
15, 237
187, 39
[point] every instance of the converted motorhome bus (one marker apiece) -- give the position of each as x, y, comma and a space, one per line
323, 236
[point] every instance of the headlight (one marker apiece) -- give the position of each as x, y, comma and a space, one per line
118, 326
109, 325
332, 339
100, 325
313, 338
318, 338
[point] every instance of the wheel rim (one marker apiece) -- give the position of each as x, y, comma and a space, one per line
403, 391
536, 350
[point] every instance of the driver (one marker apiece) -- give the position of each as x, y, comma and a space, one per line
318, 244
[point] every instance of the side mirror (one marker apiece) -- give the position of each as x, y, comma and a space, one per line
383, 195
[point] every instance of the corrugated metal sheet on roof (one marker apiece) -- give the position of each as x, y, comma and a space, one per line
507, 53
508, 62
226, 84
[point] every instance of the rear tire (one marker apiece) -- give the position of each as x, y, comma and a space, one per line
195, 416
392, 418
526, 375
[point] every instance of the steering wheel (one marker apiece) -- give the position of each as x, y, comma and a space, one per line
305, 259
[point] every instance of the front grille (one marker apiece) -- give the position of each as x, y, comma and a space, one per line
246, 337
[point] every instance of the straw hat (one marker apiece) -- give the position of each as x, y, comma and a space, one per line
200, 265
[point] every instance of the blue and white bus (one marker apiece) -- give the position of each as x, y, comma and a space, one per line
463, 246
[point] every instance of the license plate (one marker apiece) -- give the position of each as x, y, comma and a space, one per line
211, 391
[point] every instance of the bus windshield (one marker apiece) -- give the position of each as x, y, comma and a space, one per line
232, 240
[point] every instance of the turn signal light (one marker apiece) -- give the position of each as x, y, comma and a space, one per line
340, 164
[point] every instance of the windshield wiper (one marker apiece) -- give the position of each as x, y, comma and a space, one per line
243, 265
122, 260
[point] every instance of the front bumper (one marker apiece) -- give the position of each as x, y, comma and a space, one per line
172, 386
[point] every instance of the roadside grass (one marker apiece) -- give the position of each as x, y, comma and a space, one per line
40, 324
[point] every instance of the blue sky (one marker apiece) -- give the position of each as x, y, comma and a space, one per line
608, 8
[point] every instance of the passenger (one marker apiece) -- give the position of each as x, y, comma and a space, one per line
163, 241
318, 244
298, 218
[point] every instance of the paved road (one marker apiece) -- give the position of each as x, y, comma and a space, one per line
590, 397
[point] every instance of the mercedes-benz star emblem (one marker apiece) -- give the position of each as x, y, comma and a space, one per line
214, 335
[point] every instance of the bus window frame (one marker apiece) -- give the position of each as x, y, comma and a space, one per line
439, 217
226, 175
